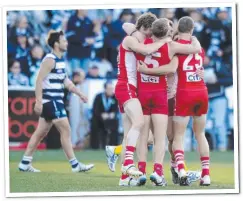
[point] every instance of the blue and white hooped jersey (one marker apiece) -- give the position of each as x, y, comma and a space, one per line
53, 84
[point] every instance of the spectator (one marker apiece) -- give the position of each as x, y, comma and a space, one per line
98, 46
181, 12
31, 63
22, 47
93, 73
116, 34
168, 13
80, 37
200, 28
223, 16
210, 13
78, 119
217, 77
15, 77
21, 28
104, 123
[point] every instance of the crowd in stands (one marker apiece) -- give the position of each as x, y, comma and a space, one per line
94, 37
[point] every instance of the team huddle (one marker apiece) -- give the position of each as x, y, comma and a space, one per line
160, 86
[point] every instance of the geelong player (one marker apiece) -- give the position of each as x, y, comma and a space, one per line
50, 83
191, 100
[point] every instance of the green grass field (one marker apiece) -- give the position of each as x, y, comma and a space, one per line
56, 175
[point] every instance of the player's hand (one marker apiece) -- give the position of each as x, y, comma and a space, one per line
83, 98
141, 67
38, 108
194, 39
175, 36
200, 73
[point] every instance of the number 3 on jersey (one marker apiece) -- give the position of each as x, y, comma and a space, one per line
197, 57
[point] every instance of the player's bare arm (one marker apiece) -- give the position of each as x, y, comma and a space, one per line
132, 43
72, 88
162, 70
129, 28
45, 68
177, 48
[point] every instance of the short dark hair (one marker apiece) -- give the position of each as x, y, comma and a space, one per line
54, 36
160, 27
185, 24
107, 83
145, 20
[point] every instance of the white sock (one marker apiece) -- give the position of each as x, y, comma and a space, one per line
26, 160
74, 162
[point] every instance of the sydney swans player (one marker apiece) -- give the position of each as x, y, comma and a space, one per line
50, 83
125, 92
152, 93
191, 100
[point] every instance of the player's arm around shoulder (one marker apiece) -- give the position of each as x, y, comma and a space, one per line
162, 70
133, 44
178, 48
129, 28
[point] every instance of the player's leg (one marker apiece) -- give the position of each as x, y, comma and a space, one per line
199, 123
62, 125
41, 131
170, 137
179, 125
125, 179
134, 111
159, 122
142, 149
113, 152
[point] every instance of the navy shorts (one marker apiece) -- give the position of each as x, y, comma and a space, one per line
53, 110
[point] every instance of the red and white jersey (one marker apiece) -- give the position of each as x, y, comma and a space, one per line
188, 64
159, 58
127, 69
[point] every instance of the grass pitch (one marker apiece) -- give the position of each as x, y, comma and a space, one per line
56, 175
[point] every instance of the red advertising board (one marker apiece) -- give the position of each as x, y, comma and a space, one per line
22, 119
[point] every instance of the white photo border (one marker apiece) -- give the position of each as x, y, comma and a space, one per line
126, 193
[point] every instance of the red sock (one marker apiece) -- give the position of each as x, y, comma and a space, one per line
179, 157
205, 165
129, 155
142, 166
158, 168
124, 176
